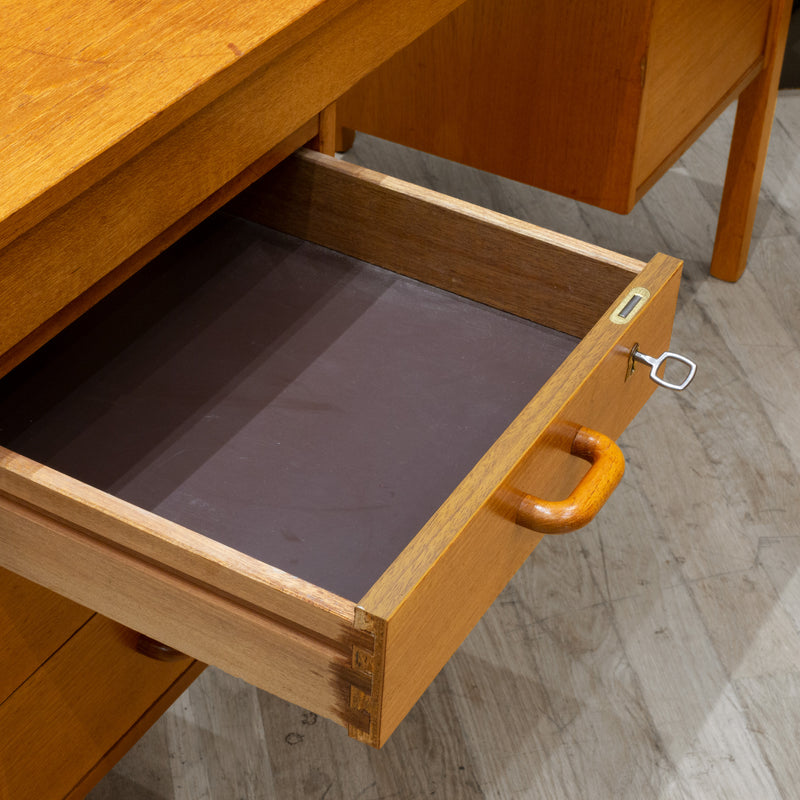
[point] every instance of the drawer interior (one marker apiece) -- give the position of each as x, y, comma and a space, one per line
323, 458
301, 406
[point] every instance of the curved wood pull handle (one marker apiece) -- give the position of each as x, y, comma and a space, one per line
587, 498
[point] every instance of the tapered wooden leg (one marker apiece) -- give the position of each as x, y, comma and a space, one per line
748, 152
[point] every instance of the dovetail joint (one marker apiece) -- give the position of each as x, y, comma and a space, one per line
364, 697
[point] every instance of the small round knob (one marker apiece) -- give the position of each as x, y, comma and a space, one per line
156, 650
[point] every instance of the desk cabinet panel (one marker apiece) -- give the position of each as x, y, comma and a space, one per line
34, 623
81, 708
593, 101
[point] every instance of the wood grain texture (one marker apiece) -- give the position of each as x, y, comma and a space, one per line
74, 308
699, 52
545, 93
34, 623
68, 714
525, 270
246, 638
325, 141
79, 241
563, 688
121, 746
112, 78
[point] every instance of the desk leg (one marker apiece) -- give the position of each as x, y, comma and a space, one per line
756, 108
325, 140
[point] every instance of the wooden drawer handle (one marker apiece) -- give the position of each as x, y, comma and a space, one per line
156, 650
588, 497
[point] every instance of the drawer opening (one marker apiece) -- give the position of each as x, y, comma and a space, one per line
301, 406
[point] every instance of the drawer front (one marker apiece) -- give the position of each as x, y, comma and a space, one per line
83, 703
34, 623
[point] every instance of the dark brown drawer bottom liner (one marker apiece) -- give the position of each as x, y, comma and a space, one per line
300, 406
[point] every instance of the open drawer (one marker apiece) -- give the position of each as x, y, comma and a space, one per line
315, 473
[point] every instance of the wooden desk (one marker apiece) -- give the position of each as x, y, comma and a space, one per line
122, 125
594, 101
125, 131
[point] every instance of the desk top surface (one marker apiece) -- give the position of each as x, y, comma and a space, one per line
85, 86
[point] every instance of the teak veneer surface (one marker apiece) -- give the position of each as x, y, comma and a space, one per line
69, 713
543, 92
120, 157
701, 55
34, 623
300, 406
593, 102
86, 87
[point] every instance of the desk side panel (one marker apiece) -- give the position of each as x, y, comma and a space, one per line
701, 54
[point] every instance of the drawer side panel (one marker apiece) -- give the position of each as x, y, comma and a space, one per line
700, 50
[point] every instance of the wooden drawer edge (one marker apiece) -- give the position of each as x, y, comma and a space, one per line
153, 540
93, 167
299, 664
